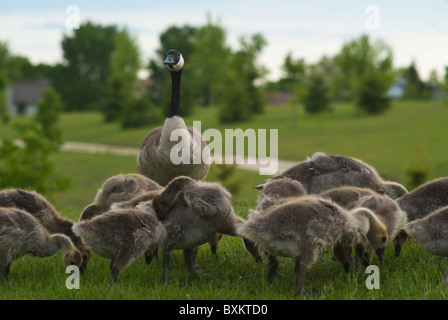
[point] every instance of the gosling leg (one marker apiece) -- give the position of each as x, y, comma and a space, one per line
300, 271
113, 271
273, 265
190, 258
165, 264
4, 271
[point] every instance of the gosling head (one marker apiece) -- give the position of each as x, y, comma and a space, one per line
363, 251
344, 255
400, 239
174, 60
73, 257
164, 201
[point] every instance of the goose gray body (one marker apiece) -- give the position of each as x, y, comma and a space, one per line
119, 188
302, 229
425, 199
21, 234
155, 159
121, 235
193, 212
44, 212
431, 233
326, 171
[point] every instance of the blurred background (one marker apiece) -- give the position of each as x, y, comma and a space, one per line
362, 79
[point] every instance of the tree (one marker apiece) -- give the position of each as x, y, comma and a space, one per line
294, 73
244, 62
124, 65
27, 165
316, 97
372, 96
139, 112
210, 61
358, 58
82, 78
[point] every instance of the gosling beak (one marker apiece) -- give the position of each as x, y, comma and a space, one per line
347, 267
259, 187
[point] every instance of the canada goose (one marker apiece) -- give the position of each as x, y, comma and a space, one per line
193, 212
21, 234
425, 199
41, 209
154, 159
279, 190
390, 214
119, 188
305, 227
122, 236
322, 172
431, 232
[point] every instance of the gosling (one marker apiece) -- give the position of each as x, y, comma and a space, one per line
304, 228
425, 199
41, 209
118, 188
390, 214
21, 234
322, 172
278, 191
193, 212
431, 232
122, 235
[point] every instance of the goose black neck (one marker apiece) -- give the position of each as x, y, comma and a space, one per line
175, 94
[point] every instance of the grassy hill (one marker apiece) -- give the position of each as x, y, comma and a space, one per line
388, 142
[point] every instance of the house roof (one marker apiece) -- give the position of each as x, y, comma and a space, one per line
29, 91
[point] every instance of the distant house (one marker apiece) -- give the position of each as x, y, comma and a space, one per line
23, 97
397, 89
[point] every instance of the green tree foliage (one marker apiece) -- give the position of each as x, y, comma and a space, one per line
415, 87
372, 97
140, 112
210, 61
358, 58
240, 97
316, 96
294, 73
82, 80
25, 160
124, 66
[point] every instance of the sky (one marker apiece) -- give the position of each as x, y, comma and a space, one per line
416, 30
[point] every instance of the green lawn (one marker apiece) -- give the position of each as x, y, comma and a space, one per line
388, 142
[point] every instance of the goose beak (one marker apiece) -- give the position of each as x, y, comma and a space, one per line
169, 61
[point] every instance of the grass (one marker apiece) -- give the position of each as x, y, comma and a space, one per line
388, 142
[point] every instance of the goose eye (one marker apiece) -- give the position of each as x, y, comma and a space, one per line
383, 239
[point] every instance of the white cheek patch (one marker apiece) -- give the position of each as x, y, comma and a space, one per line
179, 65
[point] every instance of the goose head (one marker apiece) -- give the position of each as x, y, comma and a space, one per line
174, 60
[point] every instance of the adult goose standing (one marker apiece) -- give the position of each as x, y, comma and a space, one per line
155, 157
